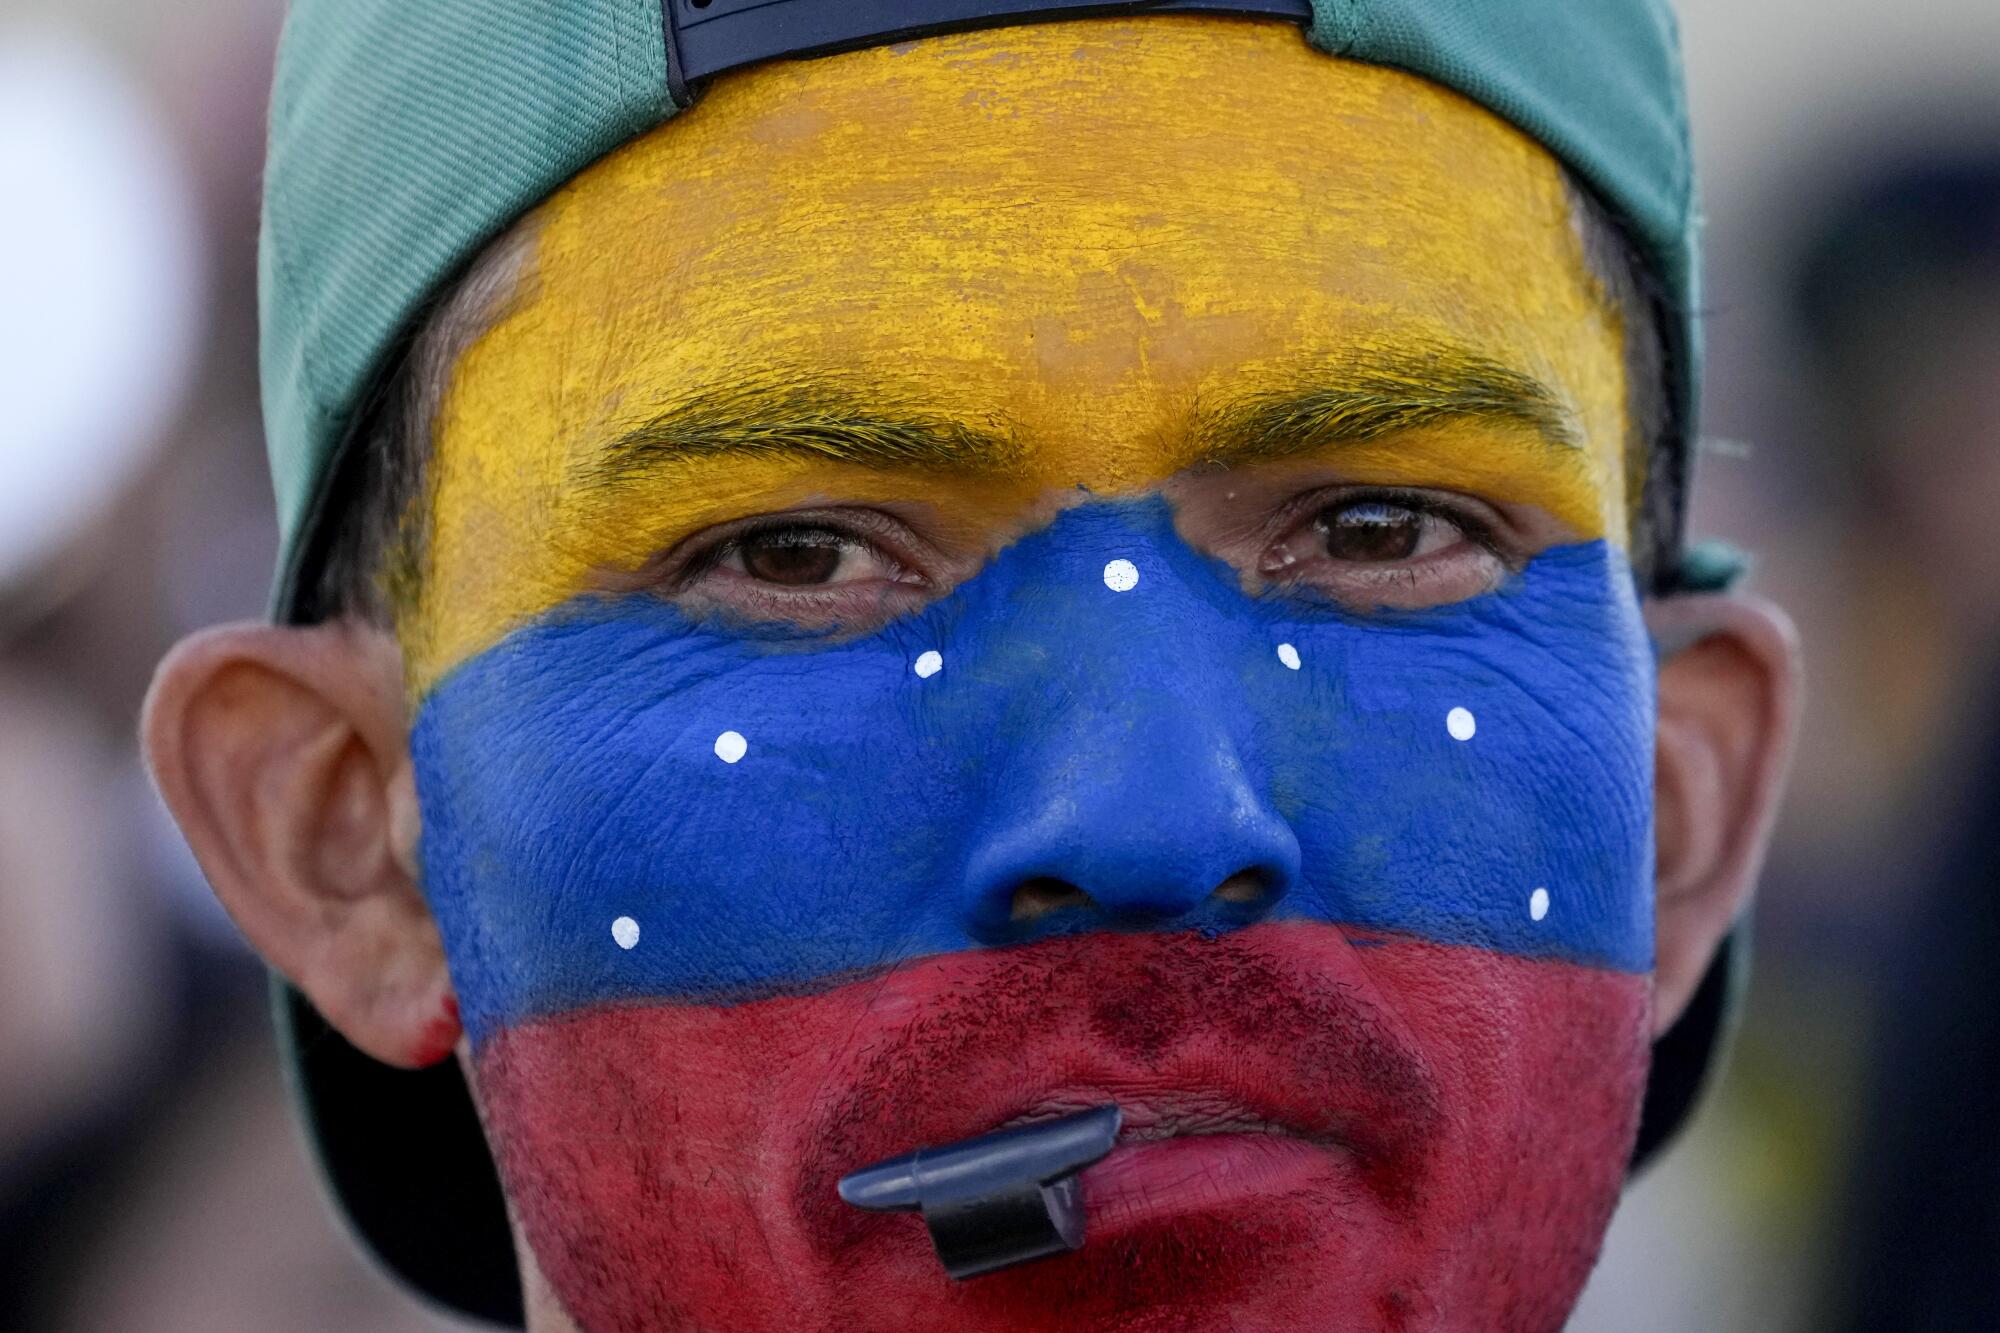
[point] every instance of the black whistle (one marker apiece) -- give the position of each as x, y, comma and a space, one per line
996, 1200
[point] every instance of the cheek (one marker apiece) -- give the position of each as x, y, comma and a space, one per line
670, 1161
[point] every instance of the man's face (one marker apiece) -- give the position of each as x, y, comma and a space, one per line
1055, 565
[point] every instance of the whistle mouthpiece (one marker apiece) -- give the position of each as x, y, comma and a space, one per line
996, 1200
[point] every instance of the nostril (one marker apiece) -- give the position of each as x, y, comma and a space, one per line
1038, 897
1244, 887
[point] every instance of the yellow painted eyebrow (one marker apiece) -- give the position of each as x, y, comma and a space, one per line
1377, 394
808, 421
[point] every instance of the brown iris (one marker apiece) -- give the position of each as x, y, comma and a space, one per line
1371, 532
793, 557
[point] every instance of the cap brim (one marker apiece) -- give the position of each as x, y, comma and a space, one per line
404, 1158
1689, 1054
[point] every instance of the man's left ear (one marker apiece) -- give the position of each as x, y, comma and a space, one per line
1729, 691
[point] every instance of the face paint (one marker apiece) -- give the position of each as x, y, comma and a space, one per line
737, 900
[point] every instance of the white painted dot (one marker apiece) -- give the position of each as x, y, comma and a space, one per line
730, 746
1460, 724
626, 931
1121, 576
929, 664
1288, 655
1538, 904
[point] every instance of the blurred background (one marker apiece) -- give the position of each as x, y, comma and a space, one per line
1846, 1173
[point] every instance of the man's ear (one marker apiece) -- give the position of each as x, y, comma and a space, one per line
1729, 700
282, 752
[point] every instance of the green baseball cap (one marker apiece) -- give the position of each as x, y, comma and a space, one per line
405, 137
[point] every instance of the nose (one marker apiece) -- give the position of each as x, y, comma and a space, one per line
1136, 816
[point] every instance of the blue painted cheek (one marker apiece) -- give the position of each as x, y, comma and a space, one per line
619, 804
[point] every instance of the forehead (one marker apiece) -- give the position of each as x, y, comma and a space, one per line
1079, 229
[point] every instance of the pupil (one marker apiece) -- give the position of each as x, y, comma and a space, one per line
794, 559
1372, 533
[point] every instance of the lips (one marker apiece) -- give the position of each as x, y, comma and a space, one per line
1154, 1181
1188, 1144
1181, 1149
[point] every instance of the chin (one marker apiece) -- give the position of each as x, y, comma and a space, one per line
1372, 1132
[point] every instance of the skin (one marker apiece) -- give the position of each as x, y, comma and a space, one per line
1032, 237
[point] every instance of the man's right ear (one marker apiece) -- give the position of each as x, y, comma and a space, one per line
283, 753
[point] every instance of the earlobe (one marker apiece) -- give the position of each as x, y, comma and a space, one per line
1728, 708
282, 753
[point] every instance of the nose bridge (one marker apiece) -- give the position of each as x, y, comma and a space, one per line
1123, 770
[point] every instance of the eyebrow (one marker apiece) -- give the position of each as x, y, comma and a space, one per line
1366, 396
803, 419
1374, 394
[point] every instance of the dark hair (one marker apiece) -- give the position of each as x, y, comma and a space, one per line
367, 560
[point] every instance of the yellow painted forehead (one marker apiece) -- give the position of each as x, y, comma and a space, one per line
1081, 230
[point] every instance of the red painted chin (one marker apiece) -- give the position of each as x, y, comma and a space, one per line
1407, 1136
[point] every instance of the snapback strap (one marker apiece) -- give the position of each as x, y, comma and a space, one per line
706, 37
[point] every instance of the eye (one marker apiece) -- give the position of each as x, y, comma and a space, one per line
1387, 549
1376, 532
833, 569
805, 556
